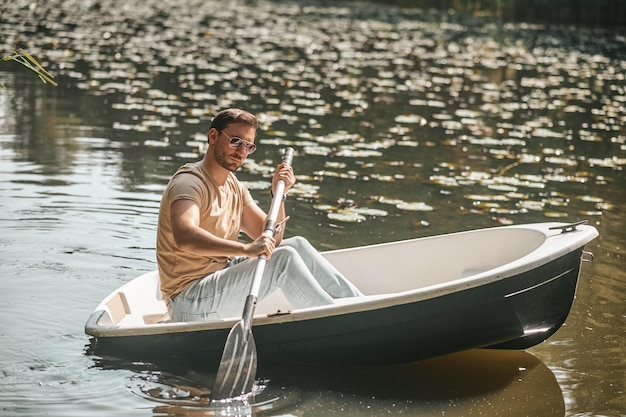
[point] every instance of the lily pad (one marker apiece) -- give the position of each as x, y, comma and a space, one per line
414, 206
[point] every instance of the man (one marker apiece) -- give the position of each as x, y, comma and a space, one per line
205, 271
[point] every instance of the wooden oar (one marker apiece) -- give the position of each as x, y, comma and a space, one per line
235, 376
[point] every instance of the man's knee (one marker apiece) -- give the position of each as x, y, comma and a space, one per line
283, 253
297, 242
288, 260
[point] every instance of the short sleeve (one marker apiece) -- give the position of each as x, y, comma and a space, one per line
187, 186
246, 196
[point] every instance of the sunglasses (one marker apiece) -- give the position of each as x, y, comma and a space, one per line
237, 142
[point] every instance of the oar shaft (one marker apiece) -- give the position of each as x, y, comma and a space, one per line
270, 225
274, 208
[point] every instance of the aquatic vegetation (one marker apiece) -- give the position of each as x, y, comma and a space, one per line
22, 57
419, 109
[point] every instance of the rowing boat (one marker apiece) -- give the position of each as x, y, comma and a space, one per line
507, 287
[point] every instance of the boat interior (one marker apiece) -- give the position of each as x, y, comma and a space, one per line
377, 270
407, 265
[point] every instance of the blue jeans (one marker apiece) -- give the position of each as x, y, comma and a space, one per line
305, 277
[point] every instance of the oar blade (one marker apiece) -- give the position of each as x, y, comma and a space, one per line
235, 376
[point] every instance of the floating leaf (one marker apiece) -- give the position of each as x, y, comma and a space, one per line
352, 153
591, 199
546, 133
502, 187
347, 217
370, 211
317, 150
304, 189
257, 185
590, 213
387, 200
324, 207
531, 205
485, 197
444, 180
466, 113
187, 155
555, 214
604, 206
561, 161
157, 143
415, 206
335, 165
613, 162
411, 119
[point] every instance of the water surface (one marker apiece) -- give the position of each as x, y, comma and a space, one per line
406, 123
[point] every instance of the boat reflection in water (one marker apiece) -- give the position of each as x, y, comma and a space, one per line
470, 383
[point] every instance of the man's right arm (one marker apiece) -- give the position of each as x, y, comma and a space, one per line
190, 237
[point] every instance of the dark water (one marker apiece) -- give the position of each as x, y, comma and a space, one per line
406, 123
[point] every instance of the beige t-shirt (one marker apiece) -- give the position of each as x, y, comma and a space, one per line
221, 209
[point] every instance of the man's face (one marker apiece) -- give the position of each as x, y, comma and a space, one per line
229, 156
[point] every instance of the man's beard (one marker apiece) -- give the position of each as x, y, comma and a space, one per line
226, 161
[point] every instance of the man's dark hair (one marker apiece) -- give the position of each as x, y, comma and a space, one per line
229, 116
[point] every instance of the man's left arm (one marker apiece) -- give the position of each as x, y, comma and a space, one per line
253, 222
254, 219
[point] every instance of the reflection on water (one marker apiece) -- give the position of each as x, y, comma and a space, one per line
472, 383
406, 122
